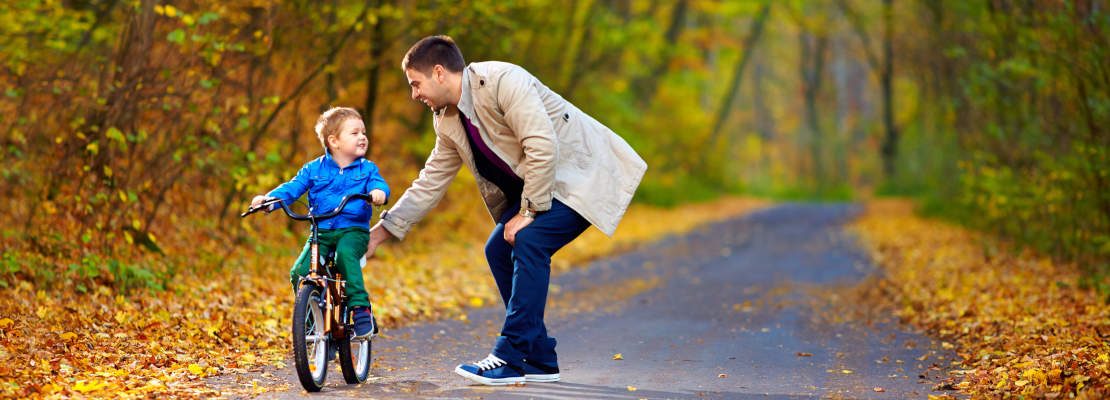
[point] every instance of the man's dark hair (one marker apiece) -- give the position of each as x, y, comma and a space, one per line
432, 50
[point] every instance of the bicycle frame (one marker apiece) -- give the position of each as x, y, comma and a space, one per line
334, 288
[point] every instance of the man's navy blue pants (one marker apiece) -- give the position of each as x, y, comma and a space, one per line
522, 273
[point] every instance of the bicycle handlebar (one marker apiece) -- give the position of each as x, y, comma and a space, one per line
306, 217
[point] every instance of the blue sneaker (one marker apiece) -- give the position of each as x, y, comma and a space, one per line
492, 371
539, 372
365, 325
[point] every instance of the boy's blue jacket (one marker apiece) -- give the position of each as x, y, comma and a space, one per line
326, 185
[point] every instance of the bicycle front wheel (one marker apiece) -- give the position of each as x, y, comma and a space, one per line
310, 341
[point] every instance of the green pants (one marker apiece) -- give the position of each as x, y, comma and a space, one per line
349, 245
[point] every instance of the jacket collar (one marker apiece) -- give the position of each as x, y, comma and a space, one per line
330, 162
466, 99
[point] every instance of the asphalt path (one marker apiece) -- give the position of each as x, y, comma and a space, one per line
754, 307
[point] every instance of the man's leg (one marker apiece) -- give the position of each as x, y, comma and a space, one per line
499, 255
524, 334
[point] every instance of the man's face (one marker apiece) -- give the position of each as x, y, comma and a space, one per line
431, 88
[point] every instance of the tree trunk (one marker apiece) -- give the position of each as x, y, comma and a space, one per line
890, 140
373, 74
734, 83
811, 70
647, 85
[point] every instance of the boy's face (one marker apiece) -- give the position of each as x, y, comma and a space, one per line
430, 89
351, 141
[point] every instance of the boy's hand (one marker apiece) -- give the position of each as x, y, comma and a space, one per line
377, 196
258, 200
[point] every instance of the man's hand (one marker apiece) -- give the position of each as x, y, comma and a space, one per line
377, 196
514, 226
378, 235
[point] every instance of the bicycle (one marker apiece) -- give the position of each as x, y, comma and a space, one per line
321, 319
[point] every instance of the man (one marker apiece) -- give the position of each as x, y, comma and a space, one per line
546, 171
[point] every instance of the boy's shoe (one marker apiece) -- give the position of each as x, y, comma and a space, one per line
539, 372
491, 371
365, 324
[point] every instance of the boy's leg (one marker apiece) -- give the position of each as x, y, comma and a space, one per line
303, 263
524, 334
349, 249
300, 267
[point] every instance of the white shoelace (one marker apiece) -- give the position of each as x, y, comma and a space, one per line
489, 363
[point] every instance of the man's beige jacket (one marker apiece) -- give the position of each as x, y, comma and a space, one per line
559, 152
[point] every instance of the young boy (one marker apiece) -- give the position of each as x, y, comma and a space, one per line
341, 171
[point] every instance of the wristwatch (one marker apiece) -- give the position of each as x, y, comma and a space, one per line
527, 212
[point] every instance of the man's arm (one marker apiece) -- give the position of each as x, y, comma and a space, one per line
527, 118
426, 191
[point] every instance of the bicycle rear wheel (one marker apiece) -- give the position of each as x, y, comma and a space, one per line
310, 342
354, 359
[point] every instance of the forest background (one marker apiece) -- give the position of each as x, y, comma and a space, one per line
133, 132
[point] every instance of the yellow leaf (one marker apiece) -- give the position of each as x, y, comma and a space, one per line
476, 302
631, 388
6, 322
68, 336
1021, 383
845, 371
196, 369
87, 386
618, 356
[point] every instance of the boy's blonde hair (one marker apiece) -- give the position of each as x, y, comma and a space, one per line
329, 122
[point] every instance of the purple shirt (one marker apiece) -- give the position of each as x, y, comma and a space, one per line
490, 166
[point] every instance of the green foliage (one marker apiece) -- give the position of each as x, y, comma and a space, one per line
1027, 106
143, 126
678, 189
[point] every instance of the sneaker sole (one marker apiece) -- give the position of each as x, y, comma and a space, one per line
541, 378
489, 381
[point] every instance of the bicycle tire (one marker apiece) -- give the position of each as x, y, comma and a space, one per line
311, 372
355, 364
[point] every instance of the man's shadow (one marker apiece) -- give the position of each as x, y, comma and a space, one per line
545, 391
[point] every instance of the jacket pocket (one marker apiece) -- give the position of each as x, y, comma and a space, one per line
322, 182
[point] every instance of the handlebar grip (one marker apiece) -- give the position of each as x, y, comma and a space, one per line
264, 205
